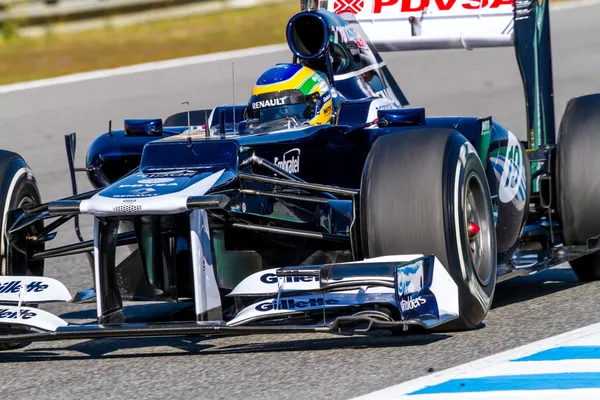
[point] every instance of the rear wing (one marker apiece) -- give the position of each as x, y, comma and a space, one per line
401, 25
397, 25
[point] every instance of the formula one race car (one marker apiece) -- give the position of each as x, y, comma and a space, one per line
379, 218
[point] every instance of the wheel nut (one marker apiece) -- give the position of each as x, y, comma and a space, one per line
473, 229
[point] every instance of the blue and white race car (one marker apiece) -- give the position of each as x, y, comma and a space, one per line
324, 204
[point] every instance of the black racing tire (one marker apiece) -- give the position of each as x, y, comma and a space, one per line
181, 119
17, 188
408, 206
578, 191
587, 268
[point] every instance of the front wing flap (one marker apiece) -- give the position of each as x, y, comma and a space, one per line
418, 288
32, 289
30, 317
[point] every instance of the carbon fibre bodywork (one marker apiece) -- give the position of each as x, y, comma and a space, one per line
325, 155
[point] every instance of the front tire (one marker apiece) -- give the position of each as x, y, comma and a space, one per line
419, 190
18, 188
577, 170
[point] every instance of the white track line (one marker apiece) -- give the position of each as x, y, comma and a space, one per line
203, 59
394, 392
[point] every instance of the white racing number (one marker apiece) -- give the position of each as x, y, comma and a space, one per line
513, 181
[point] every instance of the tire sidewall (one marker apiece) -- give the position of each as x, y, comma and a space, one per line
16, 183
576, 170
577, 192
475, 298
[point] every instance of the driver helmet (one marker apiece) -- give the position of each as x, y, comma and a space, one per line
291, 90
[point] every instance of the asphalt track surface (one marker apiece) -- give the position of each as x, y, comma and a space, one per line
481, 82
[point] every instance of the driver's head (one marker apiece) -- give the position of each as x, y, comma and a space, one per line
291, 90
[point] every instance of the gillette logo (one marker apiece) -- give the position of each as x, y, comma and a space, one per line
410, 304
7, 314
15, 287
272, 278
292, 304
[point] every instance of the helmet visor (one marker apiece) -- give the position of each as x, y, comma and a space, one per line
272, 106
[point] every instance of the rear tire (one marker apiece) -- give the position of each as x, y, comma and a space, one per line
577, 170
17, 188
416, 192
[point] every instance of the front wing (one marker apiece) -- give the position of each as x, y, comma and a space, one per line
412, 290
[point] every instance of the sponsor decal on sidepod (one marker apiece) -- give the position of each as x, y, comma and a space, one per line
290, 162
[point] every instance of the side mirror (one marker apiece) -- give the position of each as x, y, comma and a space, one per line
143, 127
401, 117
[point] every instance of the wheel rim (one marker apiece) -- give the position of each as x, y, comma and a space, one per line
477, 229
16, 257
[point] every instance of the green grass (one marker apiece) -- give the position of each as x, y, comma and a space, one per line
23, 59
